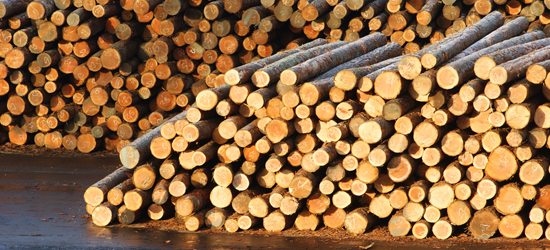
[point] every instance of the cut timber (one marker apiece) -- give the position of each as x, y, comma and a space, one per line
514, 69
243, 73
127, 216
502, 164
399, 198
276, 221
104, 214
459, 212
534, 231
247, 221
215, 217
380, 206
432, 214
421, 229
375, 130
116, 194
487, 188
96, 194
533, 171
358, 220
485, 64
335, 57
145, 175
461, 70
179, 184
192, 202
401, 167
442, 229
427, 134
484, 223
270, 74
441, 195
543, 199
139, 151
398, 225
306, 221
137, 199
511, 226
413, 211
410, 66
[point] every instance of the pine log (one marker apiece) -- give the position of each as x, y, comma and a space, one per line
192, 202
270, 74
516, 68
304, 71
358, 220
484, 223
97, 193
486, 63
461, 69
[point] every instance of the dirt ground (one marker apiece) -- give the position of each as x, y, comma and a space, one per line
378, 235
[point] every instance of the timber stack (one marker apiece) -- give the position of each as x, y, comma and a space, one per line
451, 136
92, 75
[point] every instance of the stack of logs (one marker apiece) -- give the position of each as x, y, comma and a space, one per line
89, 75
94, 74
348, 135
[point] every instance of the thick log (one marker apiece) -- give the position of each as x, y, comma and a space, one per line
484, 223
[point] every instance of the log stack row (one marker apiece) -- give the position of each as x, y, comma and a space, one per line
58, 87
91, 75
352, 134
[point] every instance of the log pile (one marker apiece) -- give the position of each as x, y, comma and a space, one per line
86, 75
90, 75
352, 134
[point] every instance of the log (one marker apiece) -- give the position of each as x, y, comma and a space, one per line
270, 74
441, 195
461, 69
137, 199
341, 55
104, 214
485, 64
96, 193
515, 68
192, 202
115, 196
505, 161
358, 220
509, 200
484, 223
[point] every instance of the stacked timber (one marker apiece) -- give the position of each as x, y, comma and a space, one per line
93, 75
351, 134
87, 75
